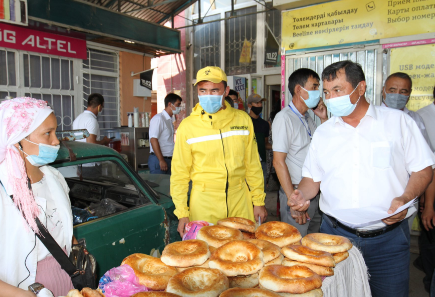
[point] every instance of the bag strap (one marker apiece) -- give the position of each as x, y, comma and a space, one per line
53, 247
55, 250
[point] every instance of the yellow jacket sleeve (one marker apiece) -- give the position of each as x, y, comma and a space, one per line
254, 173
180, 173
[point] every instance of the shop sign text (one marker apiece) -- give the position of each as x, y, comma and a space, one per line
41, 42
351, 21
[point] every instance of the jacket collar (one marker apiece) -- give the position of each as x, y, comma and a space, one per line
217, 120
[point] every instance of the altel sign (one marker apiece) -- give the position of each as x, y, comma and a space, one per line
41, 42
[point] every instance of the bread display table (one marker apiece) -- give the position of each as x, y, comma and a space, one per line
350, 278
218, 259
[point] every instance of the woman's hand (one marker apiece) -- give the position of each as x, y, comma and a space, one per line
26, 294
9, 290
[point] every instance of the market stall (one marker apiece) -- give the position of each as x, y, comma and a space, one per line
224, 260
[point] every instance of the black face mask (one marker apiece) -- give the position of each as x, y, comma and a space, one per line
256, 110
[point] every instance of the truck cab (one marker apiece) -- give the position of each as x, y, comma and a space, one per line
129, 213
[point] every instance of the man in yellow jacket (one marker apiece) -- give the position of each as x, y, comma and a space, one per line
217, 150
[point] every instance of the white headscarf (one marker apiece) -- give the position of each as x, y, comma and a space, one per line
19, 117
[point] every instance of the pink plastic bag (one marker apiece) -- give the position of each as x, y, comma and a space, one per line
120, 282
193, 227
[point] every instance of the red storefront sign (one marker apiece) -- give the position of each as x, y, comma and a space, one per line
21, 38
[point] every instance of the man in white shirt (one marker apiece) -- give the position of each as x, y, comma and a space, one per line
88, 120
395, 94
162, 136
292, 130
366, 158
427, 216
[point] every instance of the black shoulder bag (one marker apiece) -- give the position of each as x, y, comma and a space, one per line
79, 266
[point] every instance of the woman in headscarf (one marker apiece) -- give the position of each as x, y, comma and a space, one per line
30, 190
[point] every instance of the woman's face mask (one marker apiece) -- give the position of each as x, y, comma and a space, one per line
47, 154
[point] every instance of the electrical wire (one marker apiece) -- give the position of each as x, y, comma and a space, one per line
208, 8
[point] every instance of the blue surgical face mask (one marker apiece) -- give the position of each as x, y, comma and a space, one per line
210, 103
47, 154
341, 106
313, 98
236, 105
395, 100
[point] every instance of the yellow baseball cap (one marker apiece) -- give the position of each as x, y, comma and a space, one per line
211, 73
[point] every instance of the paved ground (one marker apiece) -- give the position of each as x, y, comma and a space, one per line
416, 288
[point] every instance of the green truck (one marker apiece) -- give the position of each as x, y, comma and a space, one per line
146, 222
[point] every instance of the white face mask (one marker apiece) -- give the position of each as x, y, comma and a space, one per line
177, 110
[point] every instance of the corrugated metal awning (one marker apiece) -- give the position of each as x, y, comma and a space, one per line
156, 11
107, 26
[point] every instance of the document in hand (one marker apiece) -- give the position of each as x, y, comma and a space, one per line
360, 217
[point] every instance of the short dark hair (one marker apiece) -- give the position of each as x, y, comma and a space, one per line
434, 92
300, 77
354, 72
401, 75
229, 100
234, 93
95, 99
172, 98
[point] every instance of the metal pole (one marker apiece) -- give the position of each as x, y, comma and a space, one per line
199, 12
172, 21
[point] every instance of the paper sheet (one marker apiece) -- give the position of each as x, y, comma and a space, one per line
360, 217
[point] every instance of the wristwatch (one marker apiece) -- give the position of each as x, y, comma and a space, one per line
36, 288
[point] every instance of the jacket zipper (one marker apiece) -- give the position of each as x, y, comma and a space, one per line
226, 185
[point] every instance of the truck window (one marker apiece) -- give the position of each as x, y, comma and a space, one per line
92, 182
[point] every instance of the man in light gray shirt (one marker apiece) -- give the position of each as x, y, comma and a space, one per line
428, 115
292, 131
